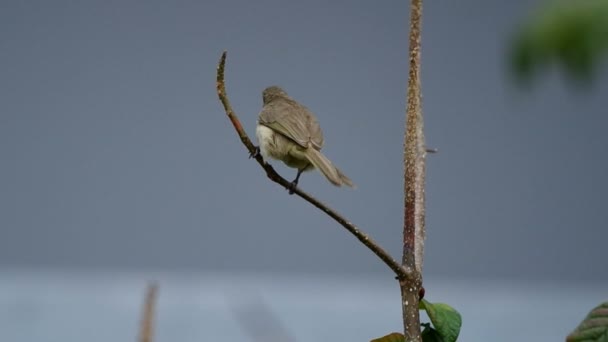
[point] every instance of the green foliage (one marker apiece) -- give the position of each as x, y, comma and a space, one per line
429, 334
573, 35
446, 321
446, 324
594, 328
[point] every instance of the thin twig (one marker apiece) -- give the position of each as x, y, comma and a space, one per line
402, 272
146, 330
414, 174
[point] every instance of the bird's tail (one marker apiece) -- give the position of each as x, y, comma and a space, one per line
332, 173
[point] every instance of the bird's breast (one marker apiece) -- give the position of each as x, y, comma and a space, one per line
268, 142
276, 146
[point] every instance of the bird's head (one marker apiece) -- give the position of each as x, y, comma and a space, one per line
272, 93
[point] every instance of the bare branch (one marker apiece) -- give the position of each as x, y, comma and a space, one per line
146, 330
402, 272
415, 152
414, 176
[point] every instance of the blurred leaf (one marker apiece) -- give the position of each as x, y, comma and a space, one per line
593, 328
573, 35
429, 334
445, 319
392, 337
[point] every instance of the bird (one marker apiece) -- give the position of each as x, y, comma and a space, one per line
289, 132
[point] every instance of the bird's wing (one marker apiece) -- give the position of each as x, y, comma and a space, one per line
293, 121
316, 135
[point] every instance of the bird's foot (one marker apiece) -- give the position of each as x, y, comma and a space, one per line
255, 153
292, 187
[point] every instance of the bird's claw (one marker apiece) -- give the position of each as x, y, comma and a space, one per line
255, 153
292, 187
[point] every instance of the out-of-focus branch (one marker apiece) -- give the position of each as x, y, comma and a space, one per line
261, 323
146, 330
402, 272
414, 174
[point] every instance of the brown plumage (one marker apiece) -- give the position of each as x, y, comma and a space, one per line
289, 132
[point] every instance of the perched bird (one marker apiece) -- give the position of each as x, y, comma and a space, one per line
288, 131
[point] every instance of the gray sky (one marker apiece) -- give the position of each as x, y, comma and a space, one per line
115, 152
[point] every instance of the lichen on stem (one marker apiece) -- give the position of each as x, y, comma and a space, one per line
414, 150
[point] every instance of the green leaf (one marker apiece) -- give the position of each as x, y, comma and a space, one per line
594, 328
445, 319
429, 334
393, 337
572, 35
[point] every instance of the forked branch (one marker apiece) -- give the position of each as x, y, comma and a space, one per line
402, 272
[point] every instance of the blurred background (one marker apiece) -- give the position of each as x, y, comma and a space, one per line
118, 166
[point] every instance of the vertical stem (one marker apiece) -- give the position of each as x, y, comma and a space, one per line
146, 331
414, 174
